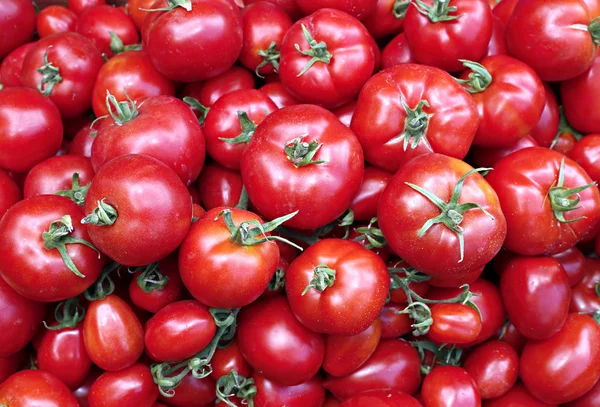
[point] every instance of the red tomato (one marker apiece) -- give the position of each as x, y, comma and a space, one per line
504, 9
365, 202
394, 365
209, 91
497, 45
10, 193
589, 399
381, 398
509, 334
394, 324
567, 365
357, 8
276, 345
156, 298
331, 401
545, 213
270, 393
55, 19
136, 233
573, 262
279, 95
586, 153
518, 396
82, 392
585, 297
219, 186
129, 74
439, 33
449, 386
495, 368
580, 99
469, 278
82, 143
35, 388
396, 52
10, 364
192, 392
454, 323
488, 156
227, 359
132, 386
289, 6
17, 19
344, 113
334, 59
56, 174
12, 66
547, 127
137, 11
188, 56
387, 18
79, 6
306, 149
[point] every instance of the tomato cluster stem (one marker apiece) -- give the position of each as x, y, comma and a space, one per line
68, 314
233, 384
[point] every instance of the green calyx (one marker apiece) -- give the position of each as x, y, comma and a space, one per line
344, 221
150, 278
564, 127
443, 356
594, 30
415, 125
318, 51
597, 289
104, 285
479, 77
400, 7
173, 4
124, 111
194, 104
77, 192
560, 196
438, 12
324, 277
244, 199
300, 153
277, 281
233, 384
371, 236
452, 211
117, 46
248, 128
103, 215
270, 56
68, 314
50, 76
58, 237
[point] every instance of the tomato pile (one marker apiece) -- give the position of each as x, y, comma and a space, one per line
300, 203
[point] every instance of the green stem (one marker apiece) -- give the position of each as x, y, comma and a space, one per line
103, 215
372, 235
344, 221
124, 111
277, 281
560, 196
324, 277
442, 355
235, 385
151, 279
77, 192
300, 153
400, 7
194, 104
564, 127
479, 77
68, 314
117, 46
244, 199
318, 51
270, 56
594, 29
50, 76
438, 12
415, 125
248, 128
104, 285
173, 4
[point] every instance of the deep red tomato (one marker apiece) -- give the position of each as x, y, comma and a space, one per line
394, 365
440, 33
270, 393
396, 52
79, 6
132, 386
497, 45
407, 110
192, 392
227, 359
188, 56
63, 67
509, 334
585, 297
488, 156
454, 323
552, 37
289, 6
139, 193
449, 386
17, 23
504, 81
156, 298
276, 345
365, 202
504, 9
219, 186
590, 399
357, 8
546, 129
35, 388
161, 127
55, 19
586, 153
447, 249
11, 364
113, 335
129, 74
545, 212
334, 59
381, 398
567, 365
344, 113
306, 149
10, 193
12, 66
279, 95
518, 396
468, 278
494, 366
83, 140
580, 99
573, 262
394, 323
56, 174
31, 129
387, 18
82, 392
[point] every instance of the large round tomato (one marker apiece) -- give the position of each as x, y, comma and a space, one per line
35, 388
132, 386
12, 66
55, 19
10, 193
270, 393
581, 101
449, 386
219, 186
17, 22
586, 153
56, 174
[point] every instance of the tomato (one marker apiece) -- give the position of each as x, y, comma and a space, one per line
289, 6
573, 262
35, 388
590, 399
139, 193
137, 11
56, 174
518, 396
586, 153
129, 74
265, 24
547, 127
494, 366
381, 398
131, 386
12, 65
270, 393
387, 18
585, 297
357, 8
552, 37
192, 392
82, 143
364, 204
227, 359
82, 392
17, 19
504, 9
279, 95
331, 401
306, 149
344, 113
55, 19
546, 210
509, 334
468, 278
565, 366
448, 386
219, 186
79, 6
504, 81
580, 99
489, 156
161, 127
10, 193
393, 323
497, 45
188, 56
394, 365
396, 52
11, 364
63, 67
454, 323
157, 296
439, 33
276, 345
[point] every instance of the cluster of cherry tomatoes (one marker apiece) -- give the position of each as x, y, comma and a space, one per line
300, 203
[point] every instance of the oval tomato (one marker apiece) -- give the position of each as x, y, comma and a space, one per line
589, 399
55, 19
396, 52
219, 186
573, 262
381, 398
580, 99
192, 392
586, 153
449, 386
56, 174
509, 334
35, 388
394, 323
454, 323
12, 66
494, 366
132, 386
227, 359
270, 393
17, 19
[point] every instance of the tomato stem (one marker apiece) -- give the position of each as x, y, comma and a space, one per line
277, 281
248, 128
372, 234
442, 355
244, 199
594, 29
270, 56
117, 46
479, 77
103, 286
103, 215
318, 51
564, 127
151, 278
233, 384
77, 192
438, 12
173, 4
344, 221
50, 75
415, 125
324, 277
560, 196
301, 153
194, 104
126, 110
400, 7
68, 314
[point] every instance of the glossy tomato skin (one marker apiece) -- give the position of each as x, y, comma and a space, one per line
494, 366
10, 193
394, 324
128, 74
357, 8
209, 91
83, 141
497, 44
164, 129
289, 6
18, 23
270, 393
192, 392
590, 399
584, 297
339, 82
394, 365
219, 186
504, 9
487, 157
279, 94
96, 23
365, 202
35, 388
79, 6
586, 153
55, 19
545, 130
380, 118
396, 52
522, 181
454, 323
574, 263
382, 21
267, 171
442, 44
381, 398
113, 335
11, 364
227, 359
276, 345
156, 300
577, 347
186, 56
137, 186
580, 99
518, 396
468, 278
511, 336
132, 386
56, 174
31, 129
448, 386
12, 66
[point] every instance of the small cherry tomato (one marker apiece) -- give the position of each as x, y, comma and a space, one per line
454, 323
132, 386
449, 386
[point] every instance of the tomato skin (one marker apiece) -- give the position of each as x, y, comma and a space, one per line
219, 186
18, 23
545, 130
186, 56
454, 323
35, 388
382, 22
574, 264
227, 359
209, 91
488, 156
113, 335
393, 323
577, 346
522, 181
580, 98
364, 204
10, 193
584, 297
504, 9
590, 399
135, 11
192, 392
381, 398
156, 300
511, 336
394, 365
270, 393
497, 45
469, 278
131, 72
276, 345
289, 6
494, 366
12, 65
448, 386
79, 6
55, 19
11, 364
117, 183
396, 52
131, 386
357, 8
586, 153
56, 174
344, 113
82, 142
279, 95
464, 38
518, 396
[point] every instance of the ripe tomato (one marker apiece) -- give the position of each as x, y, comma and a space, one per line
394, 324
439, 33
132, 386
504, 9
509, 334
83, 140
497, 45
381, 398
396, 52
449, 386
79, 6
565, 366
586, 153
365, 202
357, 8
289, 6
334, 58
136, 10
276, 345
10, 193
11, 364
547, 127
17, 19
56, 174
209, 91
127, 205
454, 323
546, 210
488, 156
468, 278
153, 297
12, 66
219, 186
585, 296
580, 99
306, 149
574, 264
35, 388
518, 396
270, 393
55, 19
387, 18
192, 392
589, 399
494, 366
63, 67
227, 359
188, 56
278, 94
